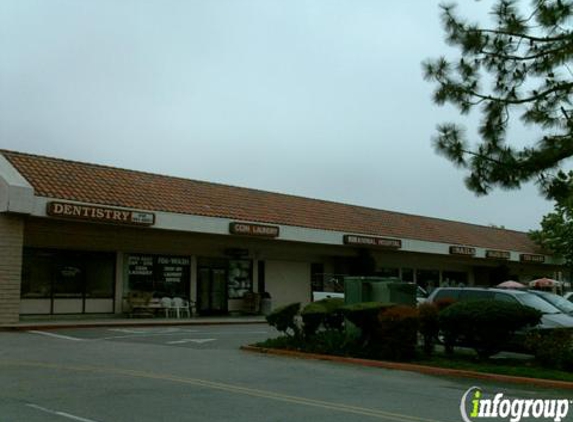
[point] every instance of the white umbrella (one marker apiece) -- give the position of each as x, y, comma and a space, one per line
511, 284
545, 282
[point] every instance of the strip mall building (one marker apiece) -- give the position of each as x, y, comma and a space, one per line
76, 238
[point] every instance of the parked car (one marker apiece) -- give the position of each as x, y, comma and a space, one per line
421, 295
558, 301
324, 295
552, 317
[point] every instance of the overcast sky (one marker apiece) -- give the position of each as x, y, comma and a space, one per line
319, 98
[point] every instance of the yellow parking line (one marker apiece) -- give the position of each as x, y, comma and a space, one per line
375, 413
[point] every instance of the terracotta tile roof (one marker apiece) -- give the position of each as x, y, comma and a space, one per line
69, 180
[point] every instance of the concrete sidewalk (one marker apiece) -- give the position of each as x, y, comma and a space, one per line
83, 322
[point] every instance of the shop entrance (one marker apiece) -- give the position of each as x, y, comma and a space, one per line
211, 290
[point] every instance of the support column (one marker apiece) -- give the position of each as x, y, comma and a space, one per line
119, 282
11, 249
193, 278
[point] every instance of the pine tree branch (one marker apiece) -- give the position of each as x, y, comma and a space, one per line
566, 86
527, 58
564, 37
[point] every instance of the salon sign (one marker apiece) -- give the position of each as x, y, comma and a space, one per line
100, 214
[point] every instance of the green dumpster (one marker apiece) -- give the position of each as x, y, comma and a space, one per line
379, 289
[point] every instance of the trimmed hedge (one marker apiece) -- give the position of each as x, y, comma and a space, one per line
284, 318
325, 313
396, 336
484, 325
365, 316
552, 348
429, 326
313, 315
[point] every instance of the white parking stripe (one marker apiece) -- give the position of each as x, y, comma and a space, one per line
58, 413
60, 336
162, 333
126, 331
191, 340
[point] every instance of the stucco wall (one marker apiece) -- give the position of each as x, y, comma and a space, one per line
288, 282
11, 240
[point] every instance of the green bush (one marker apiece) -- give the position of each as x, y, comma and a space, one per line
313, 315
429, 326
552, 348
284, 318
325, 313
396, 336
442, 304
484, 325
333, 342
365, 316
334, 317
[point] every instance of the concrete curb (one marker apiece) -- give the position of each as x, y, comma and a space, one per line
423, 369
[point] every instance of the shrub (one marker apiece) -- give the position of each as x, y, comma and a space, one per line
396, 336
552, 348
325, 312
484, 325
283, 318
442, 304
334, 317
429, 325
333, 342
313, 316
365, 316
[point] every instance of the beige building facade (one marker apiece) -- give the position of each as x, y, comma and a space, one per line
69, 248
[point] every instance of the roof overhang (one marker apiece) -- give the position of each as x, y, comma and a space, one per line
223, 226
16, 194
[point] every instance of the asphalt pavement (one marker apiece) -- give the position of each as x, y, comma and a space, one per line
198, 373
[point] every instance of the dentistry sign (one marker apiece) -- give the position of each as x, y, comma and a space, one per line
474, 406
99, 214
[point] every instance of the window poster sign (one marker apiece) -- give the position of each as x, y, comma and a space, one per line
164, 275
240, 279
172, 269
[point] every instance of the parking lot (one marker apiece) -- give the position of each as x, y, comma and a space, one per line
198, 373
195, 337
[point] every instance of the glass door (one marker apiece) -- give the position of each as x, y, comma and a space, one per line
212, 291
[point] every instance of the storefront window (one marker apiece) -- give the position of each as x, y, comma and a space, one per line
57, 275
162, 275
428, 279
97, 276
408, 275
37, 274
454, 278
69, 278
240, 279
388, 272
317, 277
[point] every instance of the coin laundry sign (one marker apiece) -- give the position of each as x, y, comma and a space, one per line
259, 230
102, 214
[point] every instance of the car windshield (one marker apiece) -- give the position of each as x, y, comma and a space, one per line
557, 301
536, 302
